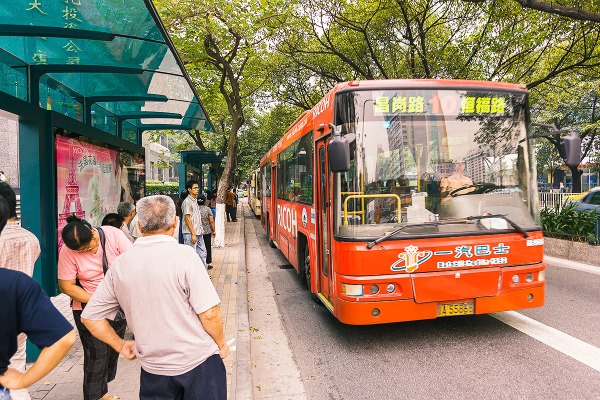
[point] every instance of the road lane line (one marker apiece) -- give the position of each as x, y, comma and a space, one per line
574, 348
592, 269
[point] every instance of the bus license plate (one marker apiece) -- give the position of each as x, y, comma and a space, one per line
447, 310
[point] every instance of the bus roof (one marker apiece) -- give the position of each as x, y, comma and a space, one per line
428, 83
383, 84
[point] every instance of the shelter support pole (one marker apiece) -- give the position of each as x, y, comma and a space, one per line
38, 199
182, 176
209, 179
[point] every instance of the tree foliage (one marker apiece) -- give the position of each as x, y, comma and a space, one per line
583, 11
259, 64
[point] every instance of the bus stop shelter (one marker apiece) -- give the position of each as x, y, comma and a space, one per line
102, 71
193, 166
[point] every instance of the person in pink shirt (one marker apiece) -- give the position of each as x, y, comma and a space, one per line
82, 262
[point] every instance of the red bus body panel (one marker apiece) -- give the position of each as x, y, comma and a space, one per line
477, 269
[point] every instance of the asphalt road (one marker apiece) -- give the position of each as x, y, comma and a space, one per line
471, 357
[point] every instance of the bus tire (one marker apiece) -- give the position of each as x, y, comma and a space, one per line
307, 274
271, 242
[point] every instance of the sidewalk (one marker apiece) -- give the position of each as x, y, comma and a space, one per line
229, 278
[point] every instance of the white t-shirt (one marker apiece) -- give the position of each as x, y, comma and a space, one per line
161, 287
190, 206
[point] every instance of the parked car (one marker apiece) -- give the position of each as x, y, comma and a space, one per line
589, 202
242, 193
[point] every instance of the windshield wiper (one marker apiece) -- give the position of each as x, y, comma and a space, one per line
502, 216
400, 229
370, 245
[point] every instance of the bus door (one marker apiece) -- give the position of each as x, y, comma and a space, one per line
273, 228
323, 210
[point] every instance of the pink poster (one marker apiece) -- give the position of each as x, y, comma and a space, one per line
89, 181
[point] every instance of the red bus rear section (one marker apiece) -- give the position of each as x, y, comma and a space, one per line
434, 216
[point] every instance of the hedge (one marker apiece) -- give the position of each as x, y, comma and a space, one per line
156, 187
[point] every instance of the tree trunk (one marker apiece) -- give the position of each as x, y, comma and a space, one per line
576, 174
224, 182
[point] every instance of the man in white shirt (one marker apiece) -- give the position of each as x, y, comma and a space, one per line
171, 307
191, 226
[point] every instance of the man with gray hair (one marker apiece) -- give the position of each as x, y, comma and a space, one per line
127, 211
171, 307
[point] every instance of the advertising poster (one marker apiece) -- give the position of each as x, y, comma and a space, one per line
92, 180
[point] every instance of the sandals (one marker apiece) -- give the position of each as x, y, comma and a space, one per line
109, 396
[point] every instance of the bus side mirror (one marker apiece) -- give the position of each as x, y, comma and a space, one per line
572, 149
339, 154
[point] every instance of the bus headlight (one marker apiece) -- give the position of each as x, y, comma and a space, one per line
390, 288
542, 276
515, 279
352, 290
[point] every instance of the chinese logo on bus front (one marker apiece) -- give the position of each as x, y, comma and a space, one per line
411, 258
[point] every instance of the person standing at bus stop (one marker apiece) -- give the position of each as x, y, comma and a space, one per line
82, 264
172, 308
208, 227
230, 206
192, 222
26, 308
19, 249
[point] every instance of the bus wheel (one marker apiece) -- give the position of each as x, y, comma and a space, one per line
313, 296
271, 243
306, 267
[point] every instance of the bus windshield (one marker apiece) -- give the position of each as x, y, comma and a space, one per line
424, 156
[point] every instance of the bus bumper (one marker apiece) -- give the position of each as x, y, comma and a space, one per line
383, 312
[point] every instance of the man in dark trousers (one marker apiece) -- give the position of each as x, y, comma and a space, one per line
171, 307
230, 206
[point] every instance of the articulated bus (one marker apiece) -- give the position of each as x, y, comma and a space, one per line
399, 200
254, 193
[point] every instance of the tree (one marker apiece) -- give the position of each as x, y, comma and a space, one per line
263, 129
223, 45
558, 9
572, 104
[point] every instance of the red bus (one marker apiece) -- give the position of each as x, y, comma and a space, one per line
399, 200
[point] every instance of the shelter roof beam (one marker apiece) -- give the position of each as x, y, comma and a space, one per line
51, 31
35, 72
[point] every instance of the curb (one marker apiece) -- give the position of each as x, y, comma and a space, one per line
243, 377
563, 263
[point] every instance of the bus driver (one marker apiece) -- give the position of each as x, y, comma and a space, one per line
455, 181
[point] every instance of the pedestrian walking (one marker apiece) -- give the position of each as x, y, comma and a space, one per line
127, 211
26, 308
230, 206
83, 262
191, 226
172, 308
19, 249
212, 202
208, 227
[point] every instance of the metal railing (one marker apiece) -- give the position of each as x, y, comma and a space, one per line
551, 200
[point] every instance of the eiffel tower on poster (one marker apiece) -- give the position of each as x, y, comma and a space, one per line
71, 195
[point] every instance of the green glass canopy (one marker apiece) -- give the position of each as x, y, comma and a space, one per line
107, 63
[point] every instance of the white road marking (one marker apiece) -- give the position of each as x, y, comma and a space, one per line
574, 348
592, 269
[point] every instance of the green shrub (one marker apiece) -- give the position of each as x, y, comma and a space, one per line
564, 222
156, 187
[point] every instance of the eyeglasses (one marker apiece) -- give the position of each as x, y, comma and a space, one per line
89, 246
